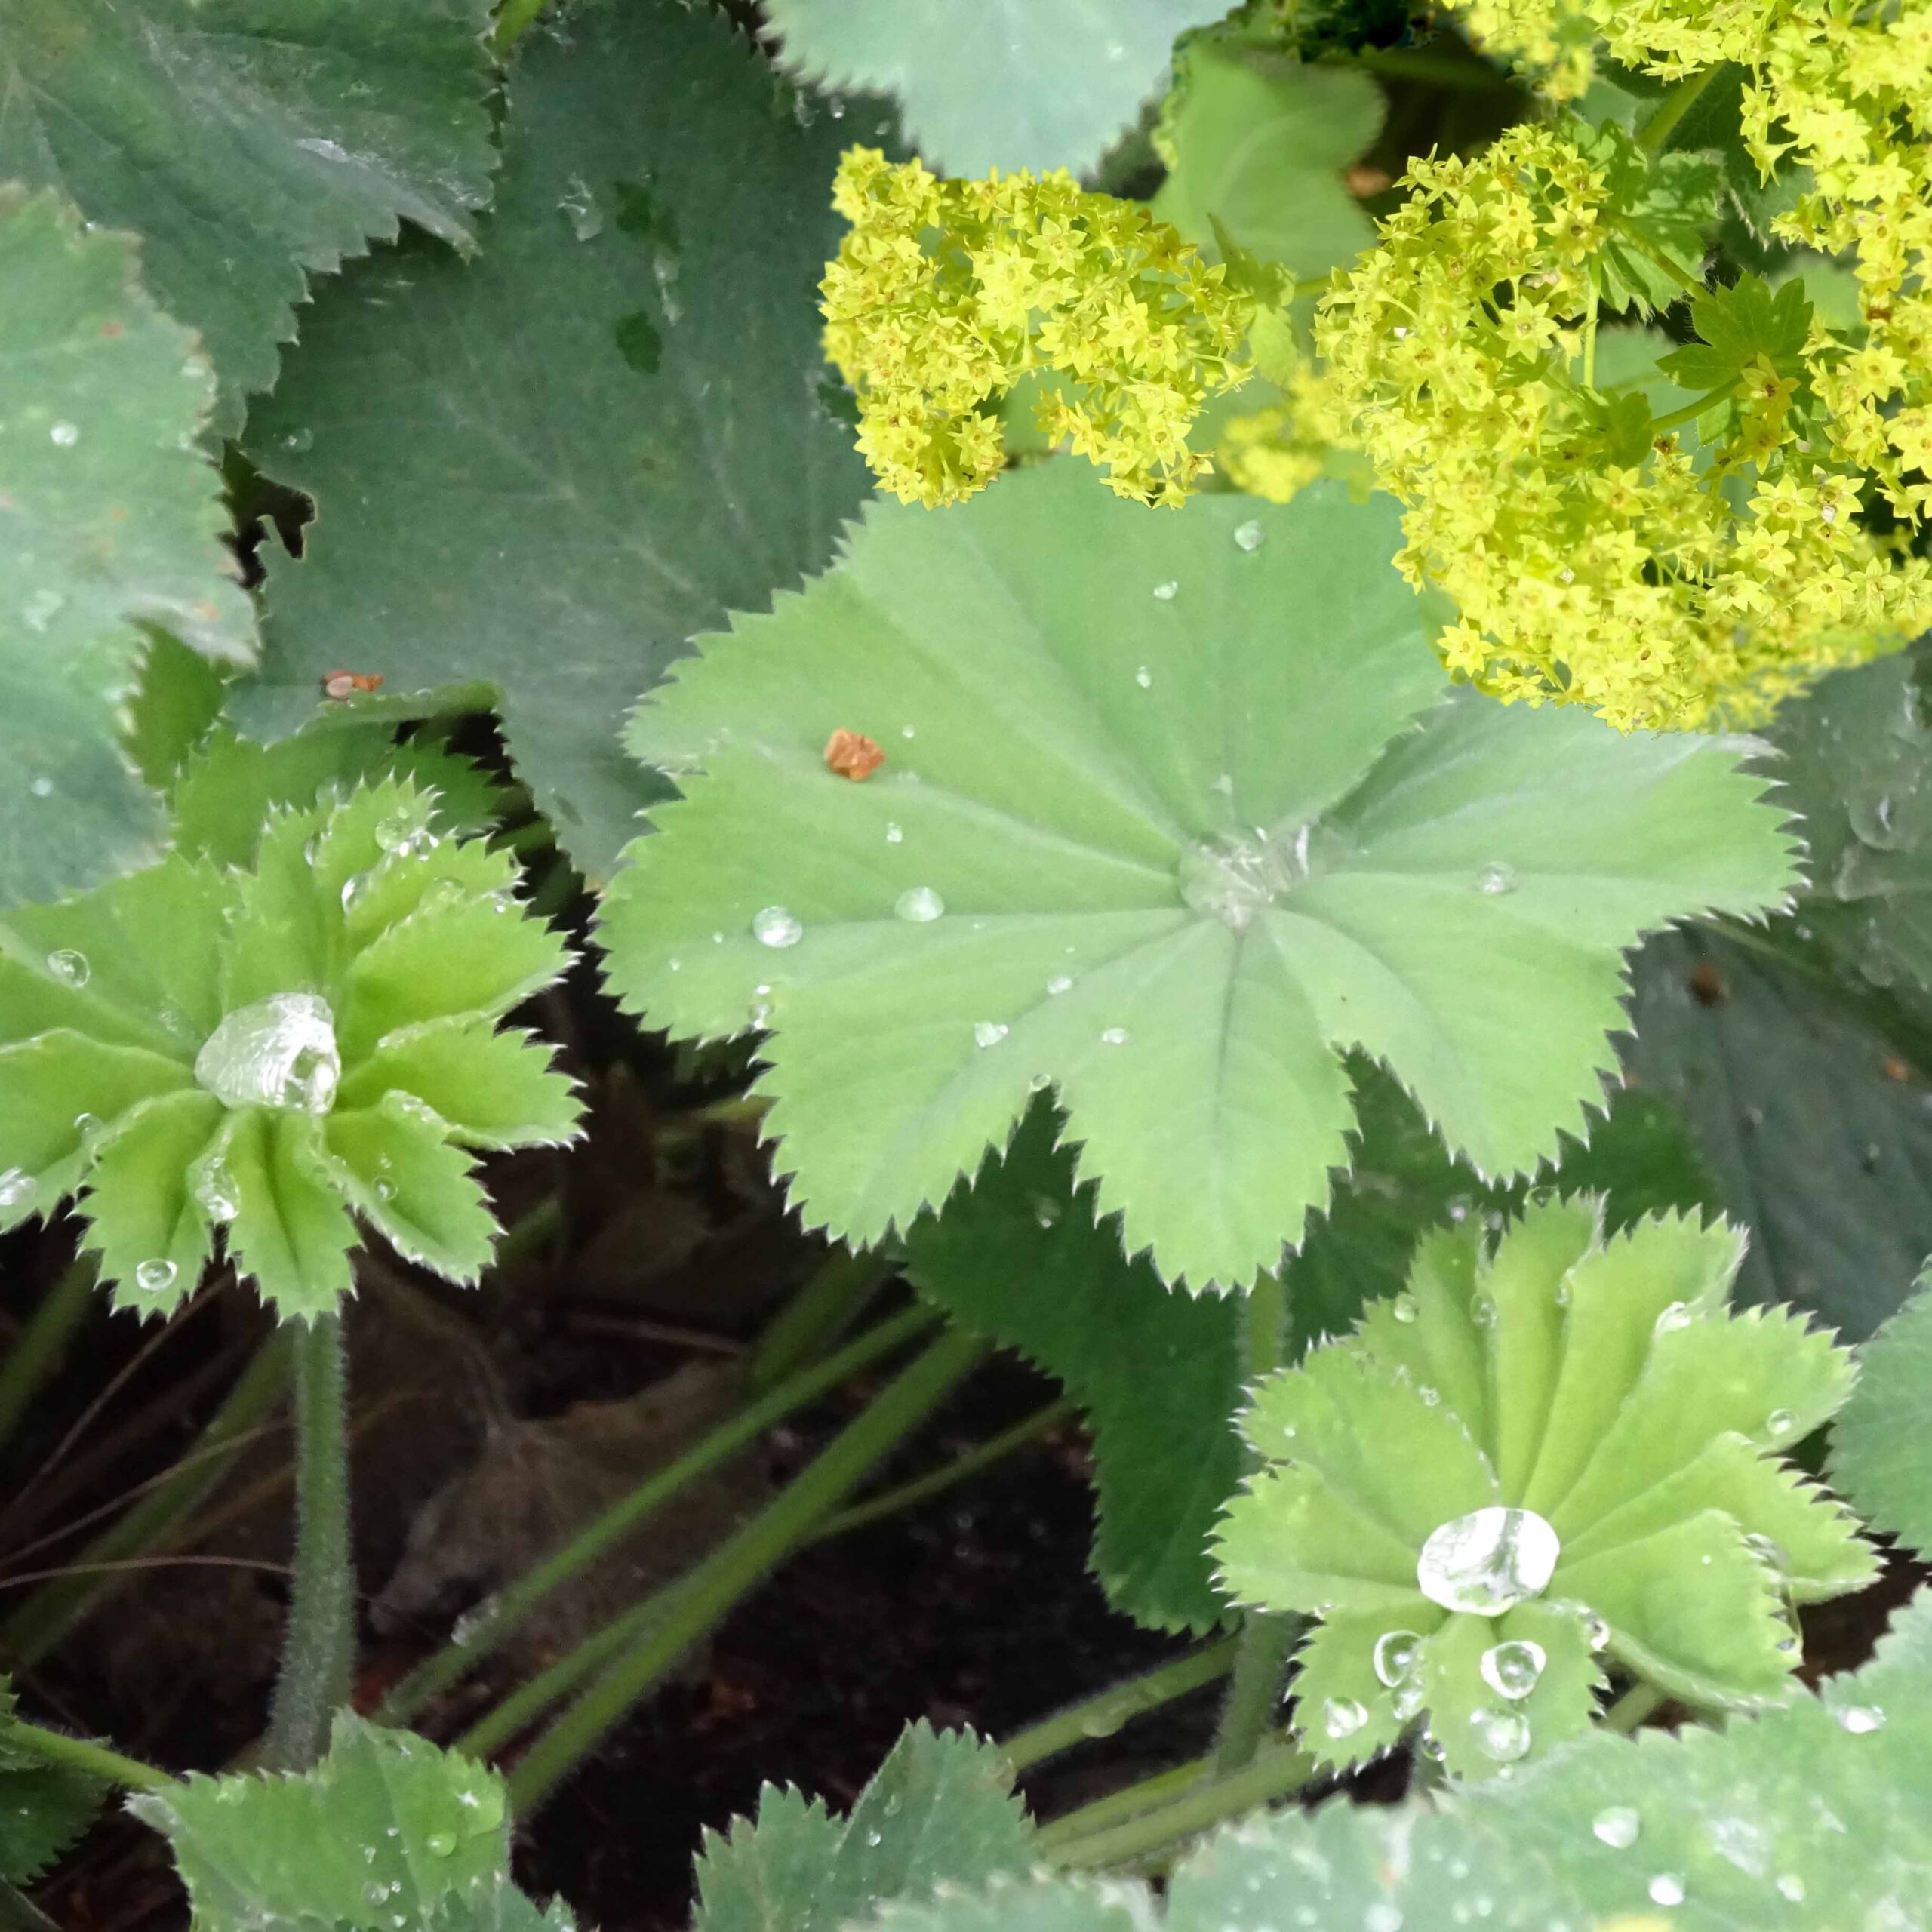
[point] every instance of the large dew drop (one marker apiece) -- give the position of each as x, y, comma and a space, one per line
1511, 1669
1502, 1735
1397, 1654
279, 1052
1488, 1561
773, 926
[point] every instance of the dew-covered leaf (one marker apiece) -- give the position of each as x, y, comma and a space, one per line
543, 467
248, 145
110, 519
1142, 834
1006, 84
1814, 1124
386, 1827
939, 1812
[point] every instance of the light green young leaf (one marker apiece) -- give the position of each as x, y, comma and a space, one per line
1257, 141
1169, 837
1882, 1446
387, 1827
1566, 1446
1812, 1119
259, 1051
249, 145
541, 469
109, 530
1810, 1817
939, 1812
1009, 84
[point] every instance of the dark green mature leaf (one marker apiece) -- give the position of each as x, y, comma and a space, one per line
547, 465
1005, 84
44, 1806
387, 1830
249, 143
1881, 1445
1257, 141
1144, 834
1810, 1817
109, 521
939, 1812
1818, 1134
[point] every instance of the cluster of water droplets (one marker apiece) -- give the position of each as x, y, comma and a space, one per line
1236, 877
278, 1052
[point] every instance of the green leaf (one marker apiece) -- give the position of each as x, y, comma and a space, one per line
939, 1812
1738, 327
1817, 1133
1257, 141
1881, 1445
249, 1049
1180, 862
1013, 84
109, 524
386, 1827
1811, 1816
249, 145
542, 468
1659, 211
1592, 1399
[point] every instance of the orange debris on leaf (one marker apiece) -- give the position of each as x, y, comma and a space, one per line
852, 754
347, 684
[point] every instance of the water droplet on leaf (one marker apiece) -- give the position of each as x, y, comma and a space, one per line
1780, 1422
1667, 1888
153, 1277
1397, 1653
1488, 1561
987, 1032
773, 926
1342, 1717
1060, 983
1144, 678
65, 434
1496, 877
893, 834
1404, 1308
1859, 1719
1511, 1669
277, 1052
1676, 1316
1617, 1826
1114, 1036
578, 206
1502, 1735
1166, 592
69, 967
919, 904
1250, 536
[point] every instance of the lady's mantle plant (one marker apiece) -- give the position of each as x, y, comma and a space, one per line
262, 1050
1534, 1461
1174, 810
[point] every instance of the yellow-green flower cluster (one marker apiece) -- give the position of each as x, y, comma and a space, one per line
946, 293
1662, 587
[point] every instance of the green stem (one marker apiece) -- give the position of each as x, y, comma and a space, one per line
815, 1317
48, 1616
76, 1754
1663, 123
1266, 1640
1590, 345
486, 1630
1275, 1773
1690, 409
739, 1563
1101, 1716
1633, 1707
19, 1913
935, 1482
37, 1347
1134, 1801
318, 1646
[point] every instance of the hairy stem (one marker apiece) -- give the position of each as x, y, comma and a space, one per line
485, 1630
318, 1647
1102, 1715
37, 1348
743, 1560
1266, 1640
815, 1317
76, 1754
1274, 1774
47, 1617
1152, 1793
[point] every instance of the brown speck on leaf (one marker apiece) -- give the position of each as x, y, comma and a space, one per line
347, 684
1362, 180
1895, 1068
1707, 986
852, 754
111, 329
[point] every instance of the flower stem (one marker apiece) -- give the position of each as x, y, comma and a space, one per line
319, 1647
1102, 1715
486, 1630
1265, 1639
705, 1593
816, 1315
1633, 1707
1672, 109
